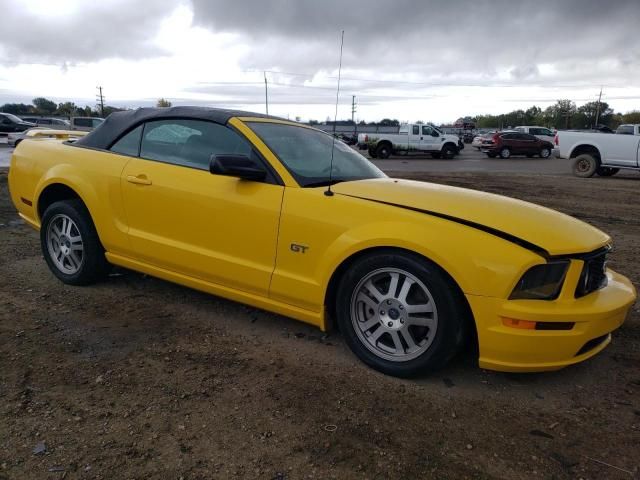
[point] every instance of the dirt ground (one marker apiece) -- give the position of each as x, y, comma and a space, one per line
137, 378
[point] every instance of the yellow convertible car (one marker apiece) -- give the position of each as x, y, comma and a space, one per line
280, 216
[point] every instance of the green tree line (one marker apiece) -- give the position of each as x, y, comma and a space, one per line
44, 106
562, 115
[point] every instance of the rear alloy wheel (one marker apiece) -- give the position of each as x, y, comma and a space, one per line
399, 314
70, 244
383, 151
505, 153
545, 153
607, 171
585, 165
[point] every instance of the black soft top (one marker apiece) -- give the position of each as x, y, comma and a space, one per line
118, 123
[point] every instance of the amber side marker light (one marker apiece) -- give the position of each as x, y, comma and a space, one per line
530, 325
522, 324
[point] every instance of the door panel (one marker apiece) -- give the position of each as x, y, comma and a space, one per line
414, 138
216, 228
621, 149
427, 141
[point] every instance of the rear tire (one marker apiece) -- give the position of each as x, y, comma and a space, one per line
372, 153
400, 314
505, 153
607, 171
383, 151
70, 244
585, 165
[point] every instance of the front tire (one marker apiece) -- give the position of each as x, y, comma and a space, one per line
585, 165
607, 171
449, 151
70, 244
400, 314
545, 153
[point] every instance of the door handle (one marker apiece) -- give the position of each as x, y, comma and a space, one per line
138, 179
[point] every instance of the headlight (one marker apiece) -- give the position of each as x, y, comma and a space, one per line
541, 282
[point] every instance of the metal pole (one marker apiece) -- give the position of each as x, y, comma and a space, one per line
598, 107
266, 93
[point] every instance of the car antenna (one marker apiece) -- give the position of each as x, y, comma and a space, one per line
328, 192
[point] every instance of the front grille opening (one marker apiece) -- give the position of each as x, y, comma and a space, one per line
554, 325
593, 276
591, 344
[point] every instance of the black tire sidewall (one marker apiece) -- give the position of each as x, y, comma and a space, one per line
448, 152
593, 167
94, 264
383, 151
451, 315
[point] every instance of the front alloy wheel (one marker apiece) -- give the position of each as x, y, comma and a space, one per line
400, 313
394, 314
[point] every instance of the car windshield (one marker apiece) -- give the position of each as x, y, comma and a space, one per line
13, 118
306, 153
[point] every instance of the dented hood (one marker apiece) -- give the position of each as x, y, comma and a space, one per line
532, 226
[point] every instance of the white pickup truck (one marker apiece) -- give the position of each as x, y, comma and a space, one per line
603, 154
412, 138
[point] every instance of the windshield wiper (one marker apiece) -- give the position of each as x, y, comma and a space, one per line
324, 183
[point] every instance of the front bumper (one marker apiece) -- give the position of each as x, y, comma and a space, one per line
509, 349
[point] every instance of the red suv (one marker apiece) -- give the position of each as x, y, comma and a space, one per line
507, 144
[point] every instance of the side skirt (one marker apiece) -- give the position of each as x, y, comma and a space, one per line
314, 318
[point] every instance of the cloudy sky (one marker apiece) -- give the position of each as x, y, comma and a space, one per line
407, 59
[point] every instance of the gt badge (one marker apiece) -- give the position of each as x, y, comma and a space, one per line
297, 248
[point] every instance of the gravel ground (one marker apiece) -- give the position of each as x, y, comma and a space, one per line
139, 378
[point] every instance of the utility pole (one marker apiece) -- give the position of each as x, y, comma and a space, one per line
598, 107
353, 107
266, 93
353, 113
100, 100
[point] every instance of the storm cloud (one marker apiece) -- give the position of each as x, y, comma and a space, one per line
478, 40
68, 32
419, 58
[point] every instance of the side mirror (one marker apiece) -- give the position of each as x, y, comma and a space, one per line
239, 166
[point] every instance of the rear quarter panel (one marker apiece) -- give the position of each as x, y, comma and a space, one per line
94, 175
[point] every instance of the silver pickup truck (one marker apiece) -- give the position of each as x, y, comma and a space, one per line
601, 154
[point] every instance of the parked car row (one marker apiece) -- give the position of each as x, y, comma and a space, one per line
10, 123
